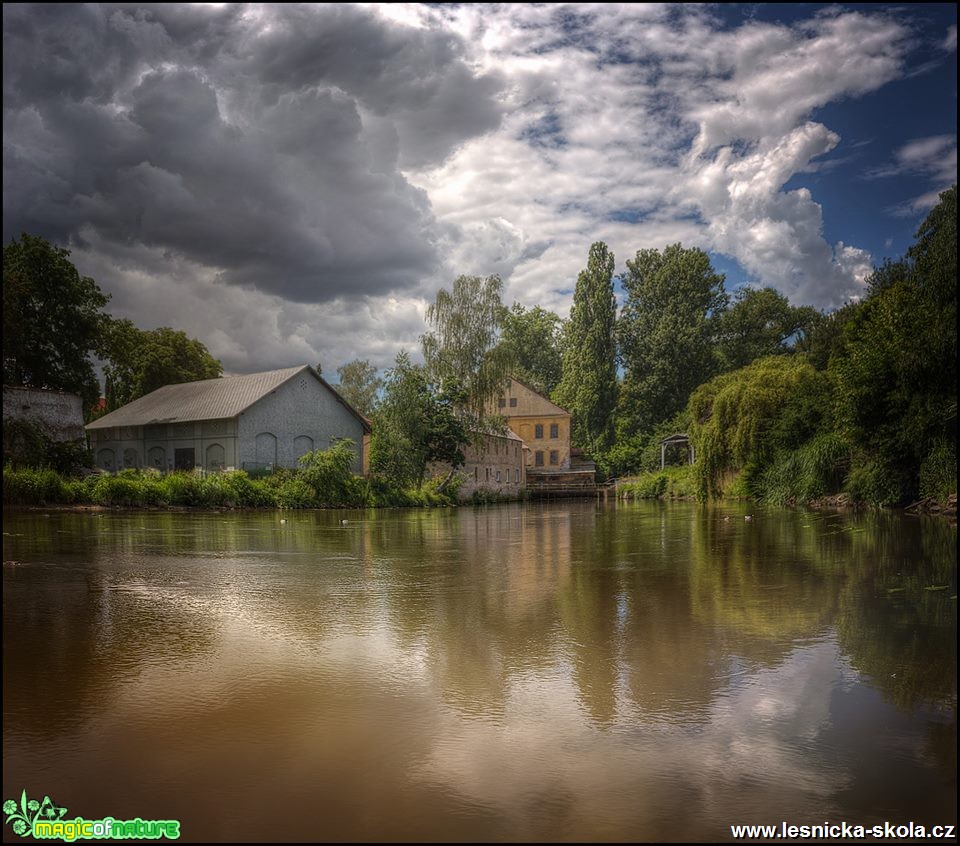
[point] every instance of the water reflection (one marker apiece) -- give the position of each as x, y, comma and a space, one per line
570, 671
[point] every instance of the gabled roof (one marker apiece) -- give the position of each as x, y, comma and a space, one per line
540, 394
209, 399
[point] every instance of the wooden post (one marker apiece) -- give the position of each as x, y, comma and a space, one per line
663, 455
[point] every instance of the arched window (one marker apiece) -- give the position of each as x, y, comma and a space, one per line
215, 457
105, 459
131, 458
266, 446
157, 458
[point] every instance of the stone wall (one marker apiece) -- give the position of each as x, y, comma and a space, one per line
496, 466
58, 414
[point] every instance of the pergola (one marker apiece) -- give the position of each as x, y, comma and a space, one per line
672, 440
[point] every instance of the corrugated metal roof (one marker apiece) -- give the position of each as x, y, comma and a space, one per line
209, 399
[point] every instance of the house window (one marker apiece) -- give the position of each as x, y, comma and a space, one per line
503, 402
488, 474
554, 457
538, 458
538, 430
513, 402
554, 430
498, 475
476, 474
516, 474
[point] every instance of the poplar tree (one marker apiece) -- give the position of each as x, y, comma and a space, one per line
588, 387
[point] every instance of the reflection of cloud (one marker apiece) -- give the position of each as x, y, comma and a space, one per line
756, 755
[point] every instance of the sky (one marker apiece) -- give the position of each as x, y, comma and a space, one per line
293, 184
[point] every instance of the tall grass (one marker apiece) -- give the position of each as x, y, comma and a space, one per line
813, 470
283, 489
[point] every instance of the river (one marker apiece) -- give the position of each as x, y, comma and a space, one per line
569, 671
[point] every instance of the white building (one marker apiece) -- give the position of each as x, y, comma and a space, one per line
261, 420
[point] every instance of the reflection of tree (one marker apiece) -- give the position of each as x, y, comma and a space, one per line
894, 628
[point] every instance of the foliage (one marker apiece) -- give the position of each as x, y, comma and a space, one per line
139, 361
25, 444
823, 334
733, 415
463, 346
360, 385
51, 319
532, 342
667, 332
895, 365
670, 483
938, 473
760, 322
588, 387
417, 422
328, 473
815, 469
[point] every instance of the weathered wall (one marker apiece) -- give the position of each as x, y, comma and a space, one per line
301, 408
497, 466
214, 443
58, 414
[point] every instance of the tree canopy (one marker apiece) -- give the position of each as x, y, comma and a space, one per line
667, 332
588, 387
531, 338
360, 385
51, 319
416, 423
462, 345
138, 361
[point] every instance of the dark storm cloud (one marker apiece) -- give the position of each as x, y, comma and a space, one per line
263, 144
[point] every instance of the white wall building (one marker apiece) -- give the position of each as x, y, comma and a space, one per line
257, 421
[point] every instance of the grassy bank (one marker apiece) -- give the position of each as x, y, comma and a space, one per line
669, 483
283, 489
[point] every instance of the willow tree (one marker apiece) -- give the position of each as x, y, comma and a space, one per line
588, 387
462, 345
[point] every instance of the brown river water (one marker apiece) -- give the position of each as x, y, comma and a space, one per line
570, 671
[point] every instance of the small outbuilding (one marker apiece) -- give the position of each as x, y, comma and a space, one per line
258, 421
681, 439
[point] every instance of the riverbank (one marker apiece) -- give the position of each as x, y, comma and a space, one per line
679, 483
236, 490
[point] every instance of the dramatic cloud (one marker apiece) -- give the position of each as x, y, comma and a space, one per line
293, 183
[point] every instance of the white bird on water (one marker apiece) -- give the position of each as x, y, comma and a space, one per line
747, 516
343, 522
283, 520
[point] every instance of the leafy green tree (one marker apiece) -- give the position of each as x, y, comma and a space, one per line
896, 364
588, 387
463, 346
360, 385
760, 322
139, 361
417, 422
667, 333
51, 319
532, 340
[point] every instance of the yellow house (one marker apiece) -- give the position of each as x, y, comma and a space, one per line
540, 423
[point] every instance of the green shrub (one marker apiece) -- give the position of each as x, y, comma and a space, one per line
295, 493
877, 483
938, 472
34, 487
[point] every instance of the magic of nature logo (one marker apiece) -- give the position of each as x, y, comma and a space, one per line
46, 820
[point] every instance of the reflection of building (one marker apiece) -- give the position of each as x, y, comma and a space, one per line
540, 423
495, 464
262, 420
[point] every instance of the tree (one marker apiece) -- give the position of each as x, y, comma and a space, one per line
417, 422
532, 342
139, 361
51, 319
667, 333
895, 365
760, 322
588, 387
463, 343
360, 385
